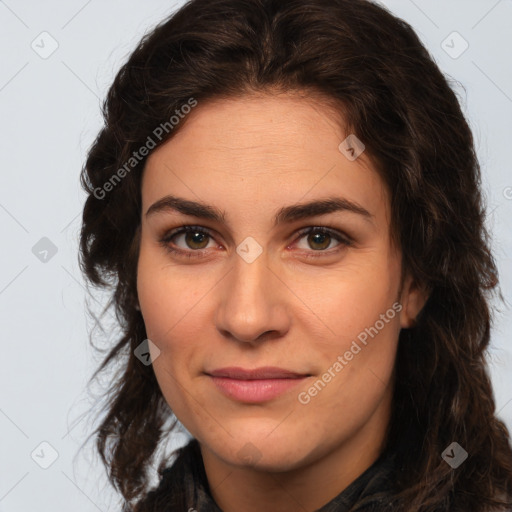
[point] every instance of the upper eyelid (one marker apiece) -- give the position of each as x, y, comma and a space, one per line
184, 229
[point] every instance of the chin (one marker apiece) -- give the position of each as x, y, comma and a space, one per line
261, 453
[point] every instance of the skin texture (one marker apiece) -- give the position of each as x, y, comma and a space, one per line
249, 157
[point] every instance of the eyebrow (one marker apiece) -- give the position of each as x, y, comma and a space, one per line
286, 214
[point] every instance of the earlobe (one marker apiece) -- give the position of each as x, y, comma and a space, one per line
413, 299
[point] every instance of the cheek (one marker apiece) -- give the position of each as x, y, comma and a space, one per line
167, 292
346, 302
357, 362
170, 304
358, 312
168, 300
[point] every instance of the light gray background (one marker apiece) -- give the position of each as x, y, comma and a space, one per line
50, 114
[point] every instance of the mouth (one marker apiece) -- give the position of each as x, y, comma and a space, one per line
256, 385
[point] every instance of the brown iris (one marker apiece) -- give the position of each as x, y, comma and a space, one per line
319, 238
196, 237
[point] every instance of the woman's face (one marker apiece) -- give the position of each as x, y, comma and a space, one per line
258, 287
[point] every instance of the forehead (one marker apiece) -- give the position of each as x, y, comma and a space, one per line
264, 150
256, 124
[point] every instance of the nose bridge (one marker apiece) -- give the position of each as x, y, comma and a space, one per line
251, 299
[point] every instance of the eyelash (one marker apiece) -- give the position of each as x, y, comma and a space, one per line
167, 237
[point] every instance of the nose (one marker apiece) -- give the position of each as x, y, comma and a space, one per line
253, 305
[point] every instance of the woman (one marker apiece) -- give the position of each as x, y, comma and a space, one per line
285, 197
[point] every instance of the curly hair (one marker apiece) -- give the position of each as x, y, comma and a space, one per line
390, 93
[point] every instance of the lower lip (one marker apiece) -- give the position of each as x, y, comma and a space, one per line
254, 391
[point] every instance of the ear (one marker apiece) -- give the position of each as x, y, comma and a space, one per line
413, 298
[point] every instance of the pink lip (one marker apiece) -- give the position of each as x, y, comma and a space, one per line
253, 386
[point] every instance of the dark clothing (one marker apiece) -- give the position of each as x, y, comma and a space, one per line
370, 490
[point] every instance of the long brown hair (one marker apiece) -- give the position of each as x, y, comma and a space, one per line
394, 98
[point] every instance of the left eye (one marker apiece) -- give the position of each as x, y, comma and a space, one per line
322, 238
195, 238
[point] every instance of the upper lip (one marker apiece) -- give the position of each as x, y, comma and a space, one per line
264, 372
